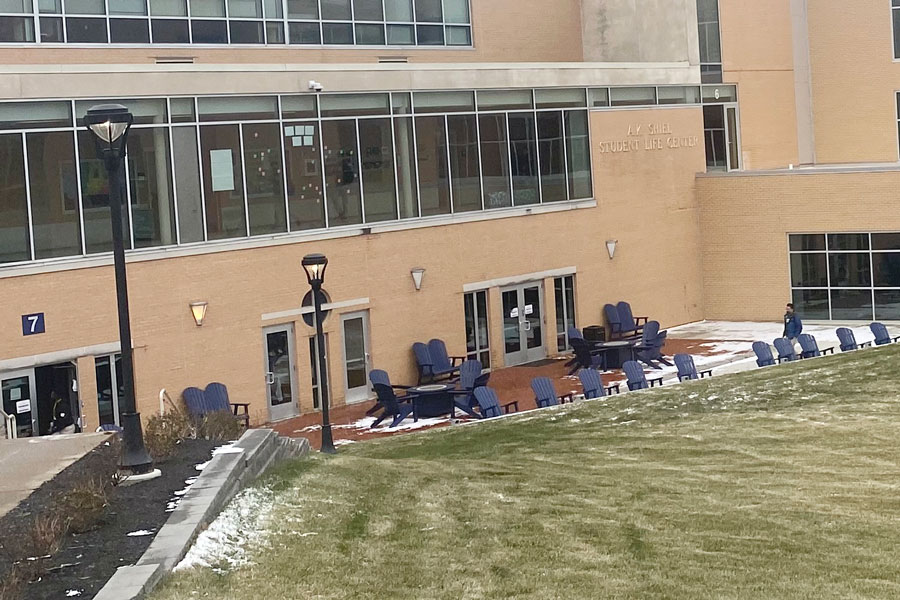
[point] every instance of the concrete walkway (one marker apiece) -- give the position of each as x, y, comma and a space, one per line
27, 463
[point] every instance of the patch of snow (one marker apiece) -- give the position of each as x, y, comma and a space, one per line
365, 424
309, 533
139, 533
72, 593
343, 442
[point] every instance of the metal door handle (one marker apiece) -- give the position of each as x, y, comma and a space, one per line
270, 378
527, 325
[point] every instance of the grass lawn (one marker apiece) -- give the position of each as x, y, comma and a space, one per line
779, 483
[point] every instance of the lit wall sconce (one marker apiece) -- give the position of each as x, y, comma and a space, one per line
611, 248
418, 273
198, 310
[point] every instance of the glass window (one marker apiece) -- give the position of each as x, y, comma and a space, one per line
851, 305
811, 304
886, 241
714, 137
16, 29
187, 183
337, 33
245, 8
209, 32
367, 10
430, 35
169, 31
34, 115
370, 34
599, 97
495, 161
679, 95
465, 178
51, 30
578, 153
401, 103
477, 342
110, 388
564, 291
306, 195
304, 33
146, 111
553, 165
15, 6
303, 9
129, 31
807, 242
398, 10
345, 105
523, 159
14, 236
850, 270
886, 267
848, 241
265, 184
342, 172
79, 30
431, 148
896, 21
127, 7
207, 8
246, 32
298, 107
238, 108
85, 7
887, 305
433, 102
428, 11
149, 169
274, 32
717, 94
338, 10
456, 11
632, 96
459, 36
809, 270
401, 35
95, 198
168, 8
53, 7
406, 167
182, 110
377, 151
223, 188
559, 98
504, 100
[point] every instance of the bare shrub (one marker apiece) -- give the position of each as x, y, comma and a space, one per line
164, 432
220, 425
85, 505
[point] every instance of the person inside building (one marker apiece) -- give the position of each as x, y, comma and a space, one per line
793, 326
62, 415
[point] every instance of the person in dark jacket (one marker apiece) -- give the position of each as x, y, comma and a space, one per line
793, 326
62, 417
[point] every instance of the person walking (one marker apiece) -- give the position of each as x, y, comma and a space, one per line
793, 326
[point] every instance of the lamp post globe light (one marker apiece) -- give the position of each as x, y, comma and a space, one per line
314, 265
110, 123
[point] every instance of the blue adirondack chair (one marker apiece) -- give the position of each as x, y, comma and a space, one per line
393, 406
650, 348
442, 364
545, 394
574, 333
470, 377
881, 334
809, 348
379, 377
585, 358
786, 350
214, 398
424, 363
630, 324
613, 321
687, 370
848, 340
592, 383
110, 428
634, 373
490, 404
763, 353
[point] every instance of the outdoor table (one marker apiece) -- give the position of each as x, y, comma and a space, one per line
617, 352
432, 400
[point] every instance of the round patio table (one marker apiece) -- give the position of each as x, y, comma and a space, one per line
433, 400
617, 352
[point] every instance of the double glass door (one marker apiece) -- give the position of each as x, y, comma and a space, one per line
280, 369
523, 323
20, 401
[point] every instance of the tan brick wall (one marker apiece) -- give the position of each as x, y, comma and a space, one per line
646, 201
503, 31
745, 220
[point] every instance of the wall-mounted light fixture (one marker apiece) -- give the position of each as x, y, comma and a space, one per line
418, 273
611, 248
198, 310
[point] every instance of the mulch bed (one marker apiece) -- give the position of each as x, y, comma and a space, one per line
86, 561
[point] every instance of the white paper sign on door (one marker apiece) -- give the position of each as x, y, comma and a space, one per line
529, 309
23, 406
514, 313
221, 170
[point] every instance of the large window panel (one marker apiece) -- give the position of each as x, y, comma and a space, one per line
223, 187
476, 319
265, 183
342, 172
428, 11
434, 180
811, 304
152, 206
495, 161
379, 191
851, 305
187, 184
16, 29
398, 10
523, 159
553, 163
850, 270
14, 235
405, 143
886, 267
895, 15
95, 198
887, 305
306, 192
464, 169
809, 270
848, 241
801, 242
578, 154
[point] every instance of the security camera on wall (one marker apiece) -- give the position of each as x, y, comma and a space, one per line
315, 86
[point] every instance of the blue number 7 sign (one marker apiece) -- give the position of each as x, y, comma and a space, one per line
33, 324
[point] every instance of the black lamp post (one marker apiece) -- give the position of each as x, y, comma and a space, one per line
314, 265
110, 123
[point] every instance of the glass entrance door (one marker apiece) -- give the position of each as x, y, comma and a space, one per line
523, 331
355, 328
280, 368
20, 401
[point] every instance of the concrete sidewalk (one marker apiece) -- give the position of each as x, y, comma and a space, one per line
26, 463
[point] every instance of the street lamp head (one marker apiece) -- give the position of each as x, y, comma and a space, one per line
109, 123
314, 265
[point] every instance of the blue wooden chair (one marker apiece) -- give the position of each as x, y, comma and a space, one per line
650, 348
110, 428
687, 370
809, 348
631, 325
585, 357
379, 377
847, 339
470, 377
443, 365
786, 350
881, 334
634, 373
613, 321
393, 406
424, 363
763, 353
574, 334
545, 394
214, 398
490, 404
592, 383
